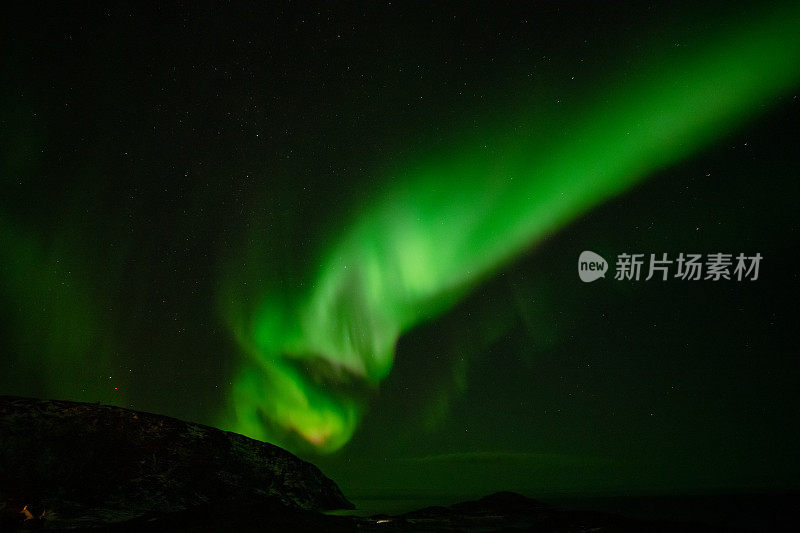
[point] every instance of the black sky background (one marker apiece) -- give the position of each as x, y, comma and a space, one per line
144, 143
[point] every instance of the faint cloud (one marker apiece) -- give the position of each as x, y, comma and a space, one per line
501, 457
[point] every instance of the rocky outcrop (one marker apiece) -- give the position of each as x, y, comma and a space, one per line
83, 465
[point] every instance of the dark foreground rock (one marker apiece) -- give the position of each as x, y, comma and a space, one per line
67, 464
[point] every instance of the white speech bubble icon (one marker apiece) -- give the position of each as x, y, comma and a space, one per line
591, 266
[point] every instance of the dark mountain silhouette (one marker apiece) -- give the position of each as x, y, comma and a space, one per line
89, 467
88, 464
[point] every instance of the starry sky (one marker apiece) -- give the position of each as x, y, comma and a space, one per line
353, 230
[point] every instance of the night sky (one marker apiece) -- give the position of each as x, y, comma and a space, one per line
353, 230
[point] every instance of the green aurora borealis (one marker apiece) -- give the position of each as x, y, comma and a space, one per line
352, 231
449, 221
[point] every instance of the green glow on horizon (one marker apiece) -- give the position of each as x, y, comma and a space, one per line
445, 225
55, 314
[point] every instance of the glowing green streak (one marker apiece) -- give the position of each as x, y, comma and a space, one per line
53, 318
449, 224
